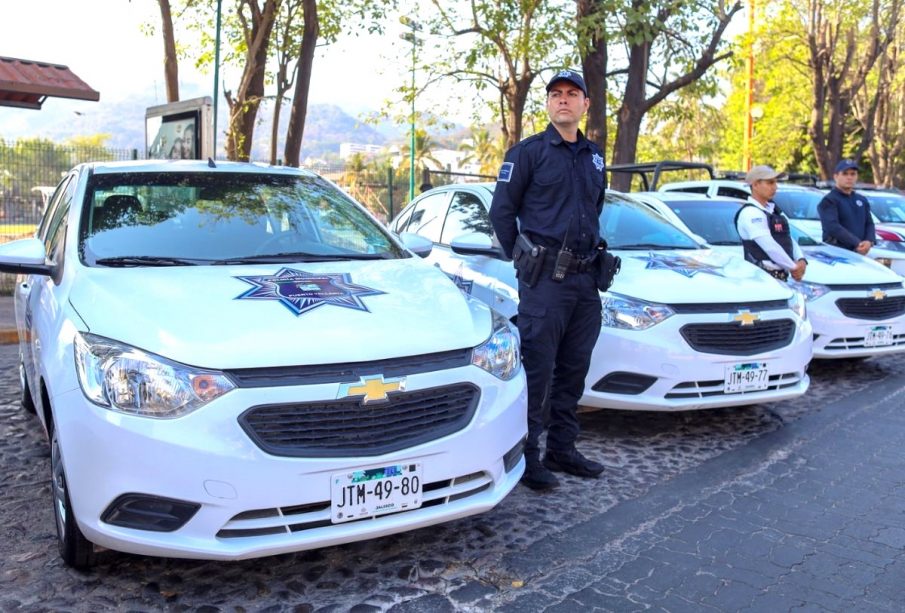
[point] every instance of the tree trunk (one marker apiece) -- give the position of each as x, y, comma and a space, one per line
296, 129
170, 62
594, 65
516, 93
630, 114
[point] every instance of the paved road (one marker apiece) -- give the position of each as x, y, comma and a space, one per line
795, 505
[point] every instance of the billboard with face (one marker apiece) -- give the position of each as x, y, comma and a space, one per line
178, 131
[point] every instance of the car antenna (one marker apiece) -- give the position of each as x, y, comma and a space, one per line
210, 163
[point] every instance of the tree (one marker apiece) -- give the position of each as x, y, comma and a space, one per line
671, 44
302, 78
886, 148
170, 61
485, 150
592, 48
844, 43
508, 43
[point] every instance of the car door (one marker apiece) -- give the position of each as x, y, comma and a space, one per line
35, 307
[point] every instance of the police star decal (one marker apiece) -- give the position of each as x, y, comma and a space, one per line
828, 258
301, 291
681, 264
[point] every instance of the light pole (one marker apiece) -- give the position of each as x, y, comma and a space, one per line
413, 39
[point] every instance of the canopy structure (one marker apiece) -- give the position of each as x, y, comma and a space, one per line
27, 84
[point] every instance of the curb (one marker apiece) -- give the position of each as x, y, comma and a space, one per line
9, 336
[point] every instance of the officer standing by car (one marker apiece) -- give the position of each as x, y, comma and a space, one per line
764, 229
844, 214
545, 212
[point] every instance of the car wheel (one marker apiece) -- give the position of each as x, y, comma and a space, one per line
25, 400
75, 549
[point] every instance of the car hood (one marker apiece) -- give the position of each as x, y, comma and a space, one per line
254, 316
835, 265
686, 276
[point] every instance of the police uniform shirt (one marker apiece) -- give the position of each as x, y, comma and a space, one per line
551, 190
753, 224
846, 219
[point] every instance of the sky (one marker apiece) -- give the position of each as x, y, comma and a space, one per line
102, 42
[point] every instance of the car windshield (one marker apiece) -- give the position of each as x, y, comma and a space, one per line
626, 224
172, 218
799, 203
715, 222
887, 206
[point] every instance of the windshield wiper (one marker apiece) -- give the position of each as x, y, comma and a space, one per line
735, 243
148, 260
645, 246
299, 256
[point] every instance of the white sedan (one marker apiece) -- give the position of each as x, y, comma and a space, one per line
683, 327
236, 360
856, 305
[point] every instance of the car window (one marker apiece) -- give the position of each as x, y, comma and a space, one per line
52, 206
57, 215
628, 224
712, 220
223, 216
428, 215
799, 204
731, 192
701, 189
466, 214
402, 221
887, 207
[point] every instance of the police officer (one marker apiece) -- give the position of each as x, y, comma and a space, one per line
764, 229
551, 189
845, 215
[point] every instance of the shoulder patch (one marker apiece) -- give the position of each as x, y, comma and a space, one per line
505, 172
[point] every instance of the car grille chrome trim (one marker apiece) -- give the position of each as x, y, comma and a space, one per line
347, 428
279, 376
729, 307
286, 520
868, 308
863, 287
735, 339
705, 389
857, 342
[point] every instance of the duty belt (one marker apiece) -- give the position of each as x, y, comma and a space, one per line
579, 264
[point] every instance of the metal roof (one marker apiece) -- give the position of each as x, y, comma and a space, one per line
27, 83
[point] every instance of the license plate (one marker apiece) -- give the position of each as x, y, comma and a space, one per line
374, 491
879, 336
747, 377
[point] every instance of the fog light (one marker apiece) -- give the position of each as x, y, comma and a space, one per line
145, 512
510, 460
628, 383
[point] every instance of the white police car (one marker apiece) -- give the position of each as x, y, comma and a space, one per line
798, 202
683, 327
234, 360
856, 305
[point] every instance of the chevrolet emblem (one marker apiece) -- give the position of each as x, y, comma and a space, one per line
747, 318
372, 389
878, 294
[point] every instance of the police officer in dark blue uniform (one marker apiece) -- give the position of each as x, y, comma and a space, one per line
545, 210
844, 214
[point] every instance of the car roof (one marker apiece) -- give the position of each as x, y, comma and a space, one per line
203, 166
679, 196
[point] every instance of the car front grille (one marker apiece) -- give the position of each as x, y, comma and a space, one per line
729, 307
736, 339
346, 427
707, 389
857, 343
868, 308
287, 520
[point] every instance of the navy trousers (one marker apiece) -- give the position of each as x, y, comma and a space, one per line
559, 324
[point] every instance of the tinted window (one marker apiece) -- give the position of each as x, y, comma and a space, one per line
887, 207
690, 190
732, 192
626, 224
466, 214
799, 203
428, 215
207, 216
712, 220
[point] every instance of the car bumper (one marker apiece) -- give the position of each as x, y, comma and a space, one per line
838, 336
254, 504
683, 379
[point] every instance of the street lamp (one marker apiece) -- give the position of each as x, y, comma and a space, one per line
413, 39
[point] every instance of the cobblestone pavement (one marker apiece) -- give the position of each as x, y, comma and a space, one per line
769, 507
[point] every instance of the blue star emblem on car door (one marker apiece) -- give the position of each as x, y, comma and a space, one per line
301, 291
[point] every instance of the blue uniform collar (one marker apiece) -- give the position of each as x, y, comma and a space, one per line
553, 137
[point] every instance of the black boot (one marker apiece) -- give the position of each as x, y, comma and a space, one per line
536, 476
572, 462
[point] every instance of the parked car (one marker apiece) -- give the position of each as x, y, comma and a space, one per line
683, 327
856, 306
235, 360
800, 202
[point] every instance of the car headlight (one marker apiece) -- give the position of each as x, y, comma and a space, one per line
799, 304
499, 354
632, 314
811, 291
122, 378
887, 262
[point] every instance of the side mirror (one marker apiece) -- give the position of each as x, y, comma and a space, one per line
476, 243
25, 256
418, 245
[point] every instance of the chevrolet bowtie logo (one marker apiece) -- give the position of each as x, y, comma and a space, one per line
747, 318
878, 294
373, 389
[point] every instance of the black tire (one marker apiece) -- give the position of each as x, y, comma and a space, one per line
25, 399
75, 549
